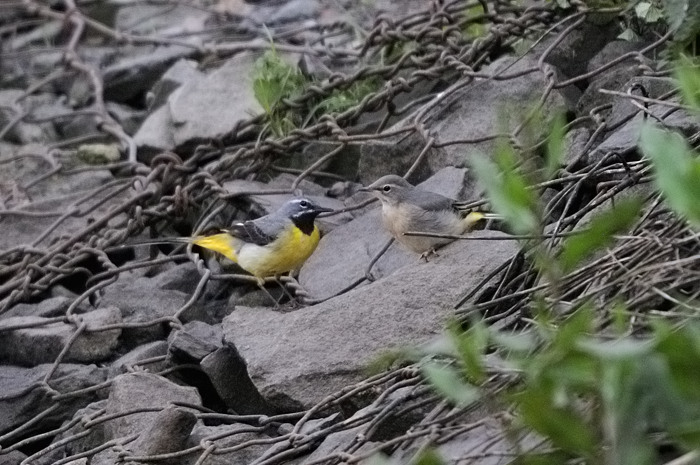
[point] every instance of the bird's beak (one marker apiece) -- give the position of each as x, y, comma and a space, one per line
320, 209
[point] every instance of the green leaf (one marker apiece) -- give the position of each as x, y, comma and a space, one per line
564, 427
677, 170
620, 349
599, 233
378, 459
544, 458
687, 73
647, 12
507, 190
428, 457
447, 382
681, 349
555, 145
471, 345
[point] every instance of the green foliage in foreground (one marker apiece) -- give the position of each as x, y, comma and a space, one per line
595, 399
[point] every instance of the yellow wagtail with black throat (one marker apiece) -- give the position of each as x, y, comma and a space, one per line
406, 208
268, 246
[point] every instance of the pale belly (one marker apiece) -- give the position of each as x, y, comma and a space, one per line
396, 222
287, 253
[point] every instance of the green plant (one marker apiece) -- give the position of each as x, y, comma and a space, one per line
273, 81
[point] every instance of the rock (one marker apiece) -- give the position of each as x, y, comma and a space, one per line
286, 354
168, 432
134, 391
22, 398
338, 442
13, 106
225, 436
36, 340
293, 10
12, 458
486, 442
624, 140
574, 52
162, 20
213, 106
140, 301
611, 79
227, 372
623, 109
47, 308
82, 441
181, 72
143, 352
344, 254
468, 113
195, 341
138, 72
574, 144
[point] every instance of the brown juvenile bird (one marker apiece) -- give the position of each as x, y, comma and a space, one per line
407, 208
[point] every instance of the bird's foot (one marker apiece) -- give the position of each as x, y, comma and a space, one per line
427, 254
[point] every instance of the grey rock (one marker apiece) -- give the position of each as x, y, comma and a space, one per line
290, 11
203, 108
487, 438
128, 361
37, 340
22, 398
624, 140
181, 72
129, 118
140, 301
133, 391
83, 438
574, 144
227, 372
226, 436
308, 428
213, 106
11, 108
572, 54
611, 79
132, 75
338, 442
623, 109
194, 341
11, 458
357, 242
286, 354
47, 308
168, 432
162, 20
468, 113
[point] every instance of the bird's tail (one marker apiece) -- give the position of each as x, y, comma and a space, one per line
474, 217
220, 242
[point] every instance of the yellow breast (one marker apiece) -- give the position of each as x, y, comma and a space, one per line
286, 253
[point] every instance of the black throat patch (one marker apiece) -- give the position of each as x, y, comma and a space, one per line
305, 222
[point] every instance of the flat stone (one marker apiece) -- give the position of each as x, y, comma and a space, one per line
195, 341
129, 360
167, 433
42, 342
21, 398
134, 391
225, 436
287, 354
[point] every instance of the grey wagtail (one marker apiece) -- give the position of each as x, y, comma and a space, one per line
407, 208
268, 246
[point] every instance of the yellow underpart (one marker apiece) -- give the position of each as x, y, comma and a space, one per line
286, 253
222, 243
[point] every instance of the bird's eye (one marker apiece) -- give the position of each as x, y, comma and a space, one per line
386, 188
304, 204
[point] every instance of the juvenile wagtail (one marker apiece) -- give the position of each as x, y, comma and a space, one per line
407, 208
268, 246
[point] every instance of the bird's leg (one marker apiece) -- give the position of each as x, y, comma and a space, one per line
427, 254
279, 281
261, 285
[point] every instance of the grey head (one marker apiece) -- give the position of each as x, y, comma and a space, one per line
301, 209
393, 190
